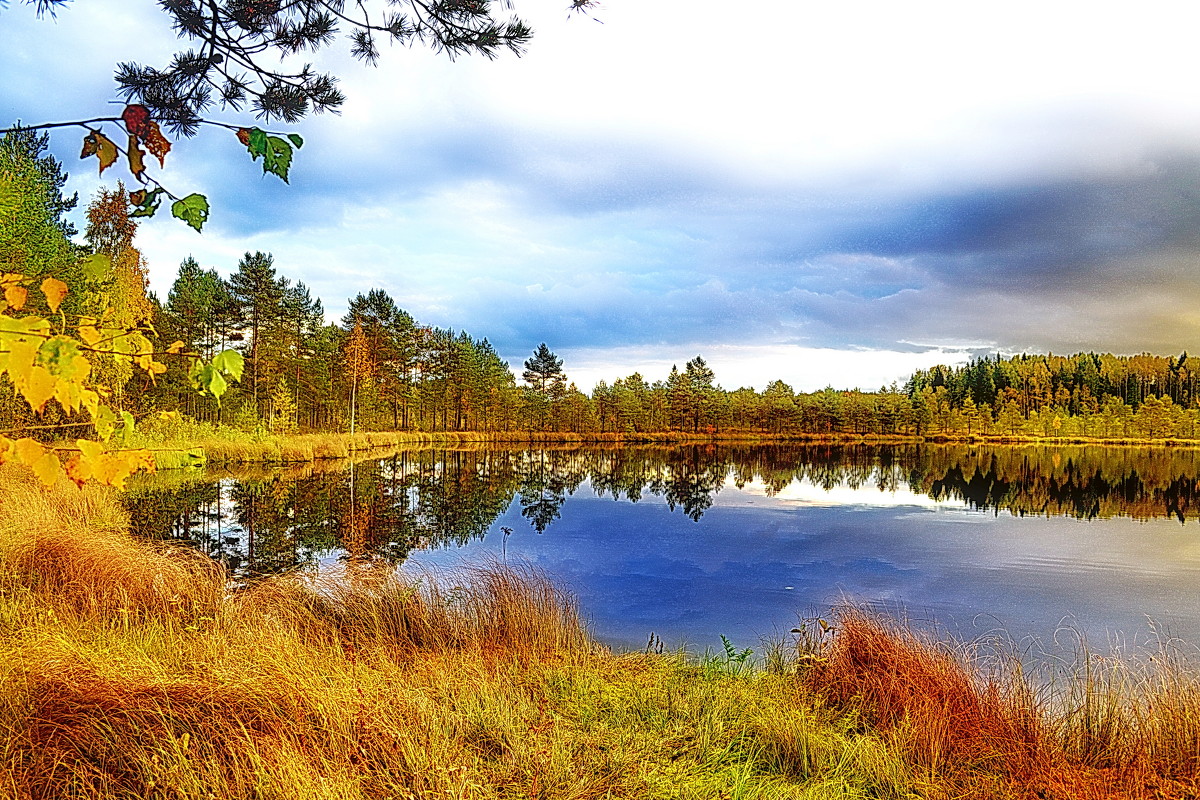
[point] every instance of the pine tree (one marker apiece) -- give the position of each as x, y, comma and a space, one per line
259, 293
544, 372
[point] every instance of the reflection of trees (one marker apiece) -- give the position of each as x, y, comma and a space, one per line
541, 504
372, 510
693, 476
262, 522
185, 511
546, 478
1070, 481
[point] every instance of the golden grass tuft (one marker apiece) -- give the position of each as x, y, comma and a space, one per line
510, 611
1112, 727
71, 548
925, 697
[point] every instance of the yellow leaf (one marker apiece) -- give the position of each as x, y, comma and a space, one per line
15, 295
111, 468
22, 355
55, 290
135, 153
175, 347
88, 332
6, 449
38, 388
78, 470
83, 467
81, 368
69, 394
48, 469
89, 448
90, 401
114, 468
27, 451
98, 145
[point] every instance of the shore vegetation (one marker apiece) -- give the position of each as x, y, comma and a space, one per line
131, 669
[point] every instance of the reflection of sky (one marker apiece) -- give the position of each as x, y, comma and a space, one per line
755, 564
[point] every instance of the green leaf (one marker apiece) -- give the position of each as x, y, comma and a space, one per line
146, 203
105, 422
231, 362
278, 158
58, 354
276, 152
127, 423
214, 383
257, 145
192, 209
208, 380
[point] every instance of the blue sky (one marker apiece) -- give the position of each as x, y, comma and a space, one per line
822, 193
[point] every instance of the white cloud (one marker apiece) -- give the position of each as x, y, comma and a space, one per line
805, 369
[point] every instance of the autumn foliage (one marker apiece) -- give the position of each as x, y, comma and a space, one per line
78, 362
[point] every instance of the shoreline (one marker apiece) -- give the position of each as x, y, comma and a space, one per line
214, 448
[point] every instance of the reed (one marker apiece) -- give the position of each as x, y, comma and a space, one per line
1120, 725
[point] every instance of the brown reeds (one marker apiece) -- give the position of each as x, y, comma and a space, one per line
1109, 728
511, 611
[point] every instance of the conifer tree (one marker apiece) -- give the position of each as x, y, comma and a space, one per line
259, 293
544, 372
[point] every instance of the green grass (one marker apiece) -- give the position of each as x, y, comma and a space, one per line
128, 670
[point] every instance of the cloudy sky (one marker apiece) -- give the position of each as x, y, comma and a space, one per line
827, 193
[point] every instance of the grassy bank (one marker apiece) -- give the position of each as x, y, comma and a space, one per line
126, 670
187, 443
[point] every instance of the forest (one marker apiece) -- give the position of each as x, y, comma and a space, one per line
379, 368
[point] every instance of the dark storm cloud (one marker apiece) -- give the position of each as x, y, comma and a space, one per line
710, 257
1041, 236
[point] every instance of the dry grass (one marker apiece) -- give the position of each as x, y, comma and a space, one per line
72, 550
1109, 728
128, 670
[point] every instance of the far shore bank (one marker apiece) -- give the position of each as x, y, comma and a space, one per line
220, 446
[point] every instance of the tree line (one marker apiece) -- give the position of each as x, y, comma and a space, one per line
378, 368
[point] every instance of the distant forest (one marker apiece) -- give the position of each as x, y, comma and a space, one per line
381, 369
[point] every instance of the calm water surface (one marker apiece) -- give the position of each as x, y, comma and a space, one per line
691, 543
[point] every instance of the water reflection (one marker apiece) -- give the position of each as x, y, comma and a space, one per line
262, 521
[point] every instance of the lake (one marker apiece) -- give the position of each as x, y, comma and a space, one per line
691, 543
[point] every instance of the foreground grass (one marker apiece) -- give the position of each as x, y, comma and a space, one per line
126, 670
